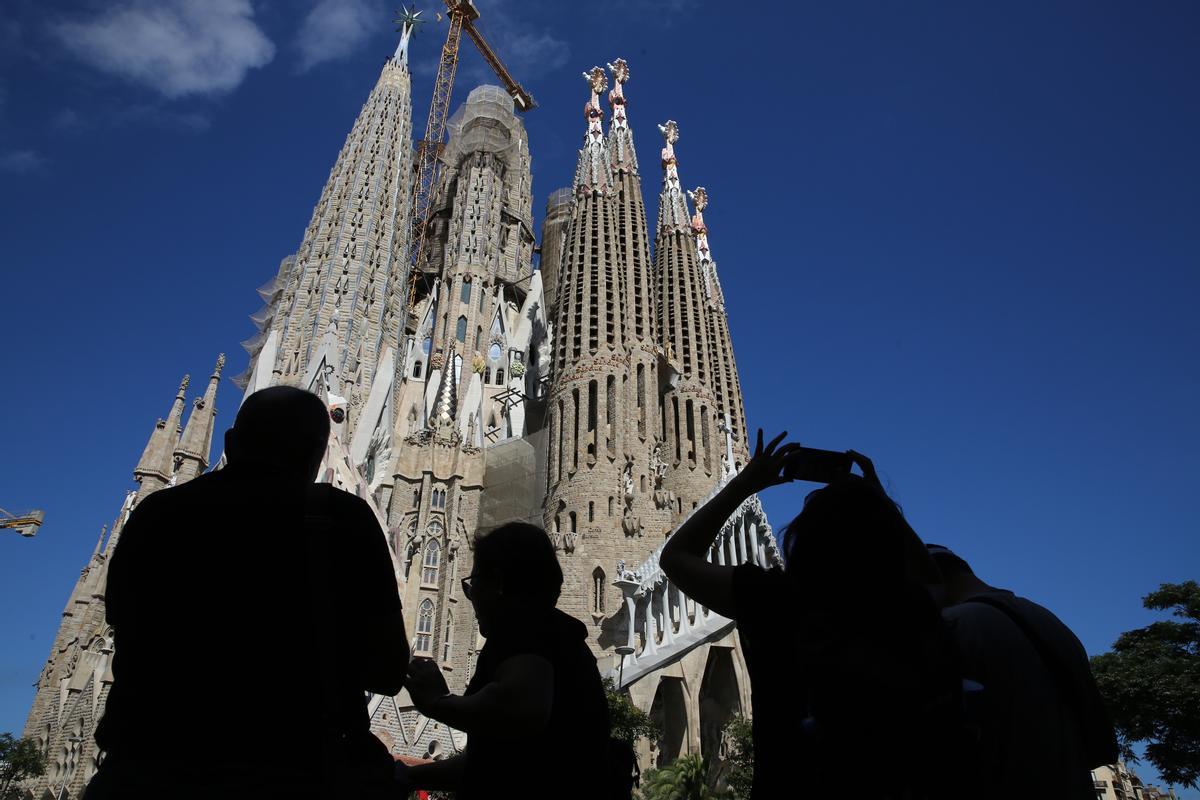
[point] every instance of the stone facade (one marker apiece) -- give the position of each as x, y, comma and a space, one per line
596, 396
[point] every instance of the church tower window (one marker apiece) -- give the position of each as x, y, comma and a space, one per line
460, 330
446, 636
424, 627
598, 587
465, 294
431, 562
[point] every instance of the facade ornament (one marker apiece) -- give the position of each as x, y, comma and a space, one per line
517, 369
478, 364
408, 22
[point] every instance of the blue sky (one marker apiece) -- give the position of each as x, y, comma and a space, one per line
962, 238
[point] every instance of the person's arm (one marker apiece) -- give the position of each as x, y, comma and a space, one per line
444, 775
519, 699
684, 559
919, 566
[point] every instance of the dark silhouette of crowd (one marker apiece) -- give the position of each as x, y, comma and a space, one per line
879, 666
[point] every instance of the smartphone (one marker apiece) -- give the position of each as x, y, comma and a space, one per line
819, 466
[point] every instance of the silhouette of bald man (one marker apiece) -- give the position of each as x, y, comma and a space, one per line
252, 610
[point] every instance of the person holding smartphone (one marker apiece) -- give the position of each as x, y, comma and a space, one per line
535, 712
845, 649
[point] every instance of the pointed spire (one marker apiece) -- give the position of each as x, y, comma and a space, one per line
708, 267
154, 469
408, 22
672, 206
620, 137
196, 442
592, 171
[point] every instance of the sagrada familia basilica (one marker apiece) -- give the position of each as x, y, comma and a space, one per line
596, 396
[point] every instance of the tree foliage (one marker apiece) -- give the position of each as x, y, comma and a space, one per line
629, 723
19, 759
739, 759
685, 778
1151, 683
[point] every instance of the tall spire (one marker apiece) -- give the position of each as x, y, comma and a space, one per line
352, 263
726, 384
620, 137
592, 171
690, 438
672, 207
156, 465
196, 442
631, 217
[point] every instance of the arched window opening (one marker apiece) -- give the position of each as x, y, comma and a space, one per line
598, 590
446, 636
431, 562
500, 376
424, 627
460, 331
610, 505
416, 371
591, 511
465, 295
572, 517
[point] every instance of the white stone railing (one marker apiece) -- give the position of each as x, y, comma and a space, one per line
662, 622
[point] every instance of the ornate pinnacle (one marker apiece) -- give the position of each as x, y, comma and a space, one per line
407, 22
220, 365
406, 18
597, 79
699, 196
619, 70
183, 384
670, 132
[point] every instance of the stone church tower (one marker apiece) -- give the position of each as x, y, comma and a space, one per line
595, 395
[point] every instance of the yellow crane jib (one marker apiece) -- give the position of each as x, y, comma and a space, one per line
26, 524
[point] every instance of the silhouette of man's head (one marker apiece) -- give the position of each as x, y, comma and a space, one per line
848, 531
285, 427
515, 569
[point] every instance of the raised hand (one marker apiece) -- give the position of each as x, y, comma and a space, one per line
425, 683
769, 465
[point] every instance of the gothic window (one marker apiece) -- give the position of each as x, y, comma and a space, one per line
416, 370
446, 636
571, 515
610, 505
430, 563
487, 375
500, 376
427, 345
465, 295
591, 511
424, 627
494, 352
591, 418
598, 587
610, 411
460, 331
482, 298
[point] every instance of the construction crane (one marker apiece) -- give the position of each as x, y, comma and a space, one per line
26, 524
462, 16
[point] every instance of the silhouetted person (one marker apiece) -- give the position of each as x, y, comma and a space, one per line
851, 671
1042, 714
252, 609
534, 712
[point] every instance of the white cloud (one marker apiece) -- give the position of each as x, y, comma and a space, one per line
334, 29
21, 161
176, 47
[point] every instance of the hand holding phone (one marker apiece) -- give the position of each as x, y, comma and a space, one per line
817, 466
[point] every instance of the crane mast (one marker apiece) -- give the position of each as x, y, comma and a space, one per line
462, 15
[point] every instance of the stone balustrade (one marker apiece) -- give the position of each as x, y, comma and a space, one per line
662, 622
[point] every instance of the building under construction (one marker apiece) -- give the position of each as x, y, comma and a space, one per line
596, 395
